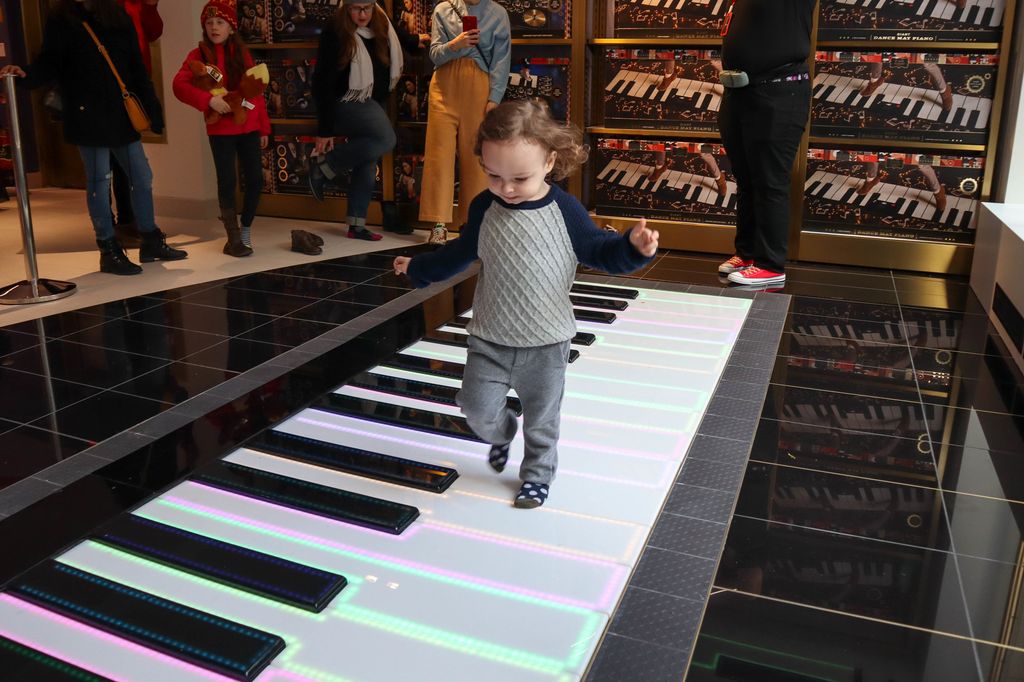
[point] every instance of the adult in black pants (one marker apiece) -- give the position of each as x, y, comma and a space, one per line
761, 125
95, 119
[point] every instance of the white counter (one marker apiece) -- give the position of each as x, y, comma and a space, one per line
997, 273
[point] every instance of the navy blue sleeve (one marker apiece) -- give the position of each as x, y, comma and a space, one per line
456, 255
594, 247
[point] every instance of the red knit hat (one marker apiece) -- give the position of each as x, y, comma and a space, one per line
225, 9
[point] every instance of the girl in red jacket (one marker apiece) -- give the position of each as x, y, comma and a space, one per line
229, 140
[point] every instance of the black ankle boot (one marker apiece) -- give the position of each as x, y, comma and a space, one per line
154, 247
114, 260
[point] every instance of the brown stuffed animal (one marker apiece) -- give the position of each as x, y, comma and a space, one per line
208, 77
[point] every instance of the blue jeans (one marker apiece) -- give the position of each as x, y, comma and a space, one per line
133, 160
370, 136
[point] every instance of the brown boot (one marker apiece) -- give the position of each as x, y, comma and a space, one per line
234, 246
940, 198
869, 185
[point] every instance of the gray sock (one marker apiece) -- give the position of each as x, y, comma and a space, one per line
356, 223
247, 235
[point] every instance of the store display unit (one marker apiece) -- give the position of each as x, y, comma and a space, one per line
897, 82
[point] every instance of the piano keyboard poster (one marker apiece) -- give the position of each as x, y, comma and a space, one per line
913, 20
300, 20
408, 178
662, 89
892, 194
538, 18
545, 78
290, 92
669, 18
906, 96
667, 180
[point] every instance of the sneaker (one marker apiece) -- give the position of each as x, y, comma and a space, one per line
756, 275
869, 185
363, 233
723, 185
531, 495
940, 199
438, 235
733, 264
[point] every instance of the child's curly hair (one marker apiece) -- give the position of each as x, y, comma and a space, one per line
530, 120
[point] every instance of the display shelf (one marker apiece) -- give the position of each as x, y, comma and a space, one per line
657, 42
886, 252
311, 45
901, 145
294, 121
542, 41
683, 236
654, 132
904, 45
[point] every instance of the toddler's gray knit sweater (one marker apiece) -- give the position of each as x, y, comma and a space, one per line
528, 253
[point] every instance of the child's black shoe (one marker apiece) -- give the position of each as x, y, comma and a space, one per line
531, 495
498, 457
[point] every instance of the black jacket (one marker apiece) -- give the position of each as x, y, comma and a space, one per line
94, 113
768, 34
330, 83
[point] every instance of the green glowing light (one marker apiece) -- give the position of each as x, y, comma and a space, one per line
448, 640
356, 556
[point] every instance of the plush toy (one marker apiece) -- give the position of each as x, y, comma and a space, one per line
208, 77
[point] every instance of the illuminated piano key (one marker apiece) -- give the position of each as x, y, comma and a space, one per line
19, 662
202, 639
285, 581
332, 503
332, 455
409, 388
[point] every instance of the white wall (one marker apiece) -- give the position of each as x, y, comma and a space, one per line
184, 182
1009, 173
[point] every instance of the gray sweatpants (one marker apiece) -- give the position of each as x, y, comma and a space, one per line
538, 377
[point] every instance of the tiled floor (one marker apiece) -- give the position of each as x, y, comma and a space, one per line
877, 535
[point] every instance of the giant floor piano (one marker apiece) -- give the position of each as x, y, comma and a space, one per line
365, 538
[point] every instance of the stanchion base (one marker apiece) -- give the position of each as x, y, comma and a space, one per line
49, 290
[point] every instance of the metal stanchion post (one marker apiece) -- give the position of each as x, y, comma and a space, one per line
34, 289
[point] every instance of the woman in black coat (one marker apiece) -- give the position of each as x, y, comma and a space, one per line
95, 119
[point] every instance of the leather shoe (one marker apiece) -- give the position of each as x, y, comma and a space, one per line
306, 242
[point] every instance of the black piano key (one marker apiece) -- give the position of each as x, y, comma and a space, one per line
915, 110
610, 292
312, 498
405, 472
410, 388
593, 316
396, 415
462, 340
268, 576
197, 637
812, 187
19, 663
965, 222
951, 219
972, 121
601, 303
414, 363
910, 208
584, 339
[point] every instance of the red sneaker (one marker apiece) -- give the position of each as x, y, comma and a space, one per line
733, 264
756, 275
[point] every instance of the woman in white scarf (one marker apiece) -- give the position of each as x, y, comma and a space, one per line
358, 64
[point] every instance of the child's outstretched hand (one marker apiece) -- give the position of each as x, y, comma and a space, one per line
644, 240
402, 265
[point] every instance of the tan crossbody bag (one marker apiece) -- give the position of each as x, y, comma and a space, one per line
136, 112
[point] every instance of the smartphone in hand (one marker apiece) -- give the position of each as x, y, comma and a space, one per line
468, 23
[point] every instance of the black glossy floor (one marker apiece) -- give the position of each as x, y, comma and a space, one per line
877, 535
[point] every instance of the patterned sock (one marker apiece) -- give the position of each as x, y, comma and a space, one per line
498, 457
531, 495
247, 235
